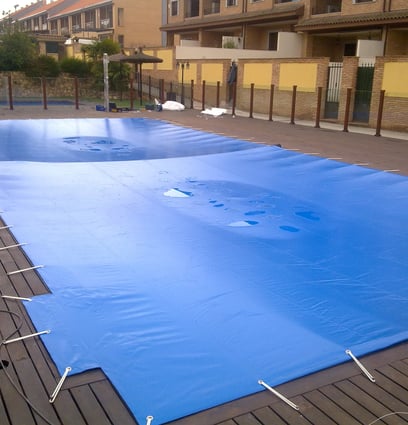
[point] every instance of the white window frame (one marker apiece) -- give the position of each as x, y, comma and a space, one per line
171, 5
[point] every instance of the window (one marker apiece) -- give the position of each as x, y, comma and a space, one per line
273, 41
105, 16
121, 16
362, 1
121, 41
232, 3
174, 7
76, 22
350, 49
90, 19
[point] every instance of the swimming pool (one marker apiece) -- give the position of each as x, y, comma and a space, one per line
189, 265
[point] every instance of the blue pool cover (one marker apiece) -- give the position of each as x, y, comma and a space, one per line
189, 265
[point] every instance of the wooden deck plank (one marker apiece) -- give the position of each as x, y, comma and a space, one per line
391, 387
4, 420
267, 416
111, 403
89, 406
330, 409
248, 419
311, 413
85, 378
402, 367
291, 416
348, 404
17, 409
395, 376
380, 394
373, 405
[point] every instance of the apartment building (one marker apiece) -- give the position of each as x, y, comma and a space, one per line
330, 28
129, 22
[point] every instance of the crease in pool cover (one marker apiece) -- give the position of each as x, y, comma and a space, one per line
146, 266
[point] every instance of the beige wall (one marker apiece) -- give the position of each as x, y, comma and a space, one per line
142, 21
350, 8
397, 43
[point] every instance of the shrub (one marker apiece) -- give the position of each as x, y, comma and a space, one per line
43, 66
76, 67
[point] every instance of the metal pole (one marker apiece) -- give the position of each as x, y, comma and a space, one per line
292, 114
10, 93
380, 113
192, 95
271, 102
182, 83
131, 94
234, 97
106, 81
44, 91
76, 93
203, 96
218, 94
251, 101
347, 112
318, 108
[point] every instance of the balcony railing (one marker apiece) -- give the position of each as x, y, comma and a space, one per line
89, 25
105, 23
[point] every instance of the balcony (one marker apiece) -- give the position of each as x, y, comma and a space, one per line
89, 25
326, 6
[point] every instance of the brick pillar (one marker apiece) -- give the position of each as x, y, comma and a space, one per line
348, 80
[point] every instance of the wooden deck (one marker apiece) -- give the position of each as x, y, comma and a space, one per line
29, 375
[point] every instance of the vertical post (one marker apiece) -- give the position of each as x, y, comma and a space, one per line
131, 94
318, 107
234, 97
106, 82
218, 94
10, 93
347, 112
380, 113
182, 83
192, 95
76, 89
161, 84
140, 85
150, 88
44, 91
292, 114
271, 101
203, 96
251, 101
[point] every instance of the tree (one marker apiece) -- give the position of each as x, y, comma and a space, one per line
96, 50
118, 72
17, 51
